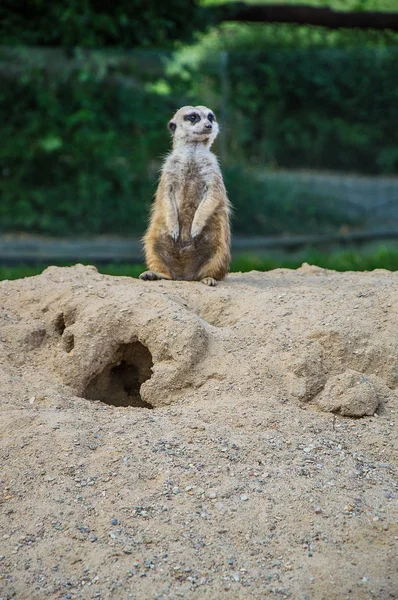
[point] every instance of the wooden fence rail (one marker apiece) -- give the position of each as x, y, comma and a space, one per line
37, 250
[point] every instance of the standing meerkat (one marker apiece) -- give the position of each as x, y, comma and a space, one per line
188, 237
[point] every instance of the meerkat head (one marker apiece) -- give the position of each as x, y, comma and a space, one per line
194, 125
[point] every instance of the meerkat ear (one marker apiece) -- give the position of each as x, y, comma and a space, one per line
172, 126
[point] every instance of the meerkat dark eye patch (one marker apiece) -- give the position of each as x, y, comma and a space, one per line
193, 117
211, 117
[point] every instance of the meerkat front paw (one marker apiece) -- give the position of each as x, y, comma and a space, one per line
209, 281
195, 231
175, 233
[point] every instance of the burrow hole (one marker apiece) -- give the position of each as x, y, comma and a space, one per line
60, 324
120, 381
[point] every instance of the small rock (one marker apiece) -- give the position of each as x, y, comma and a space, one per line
84, 529
244, 497
352, 395
115, 522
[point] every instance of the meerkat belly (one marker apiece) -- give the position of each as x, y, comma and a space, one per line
188, 198
185, 257
184, 260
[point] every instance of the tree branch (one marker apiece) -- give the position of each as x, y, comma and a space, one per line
301, 14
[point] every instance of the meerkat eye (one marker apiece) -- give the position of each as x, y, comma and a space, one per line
211, 117
193, 118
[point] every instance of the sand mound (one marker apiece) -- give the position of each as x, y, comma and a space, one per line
298, 335
237, 473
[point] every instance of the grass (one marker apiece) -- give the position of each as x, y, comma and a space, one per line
18, 271
350, 259
379, 257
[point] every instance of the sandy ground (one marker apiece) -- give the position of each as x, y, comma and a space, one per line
169, 440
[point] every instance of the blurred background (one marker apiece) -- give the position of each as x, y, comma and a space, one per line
308, 115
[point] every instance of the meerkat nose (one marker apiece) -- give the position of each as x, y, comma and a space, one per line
209, 126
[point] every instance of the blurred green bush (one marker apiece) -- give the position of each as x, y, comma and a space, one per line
266, 207
320, 108
83, 133
125, 23
78, 150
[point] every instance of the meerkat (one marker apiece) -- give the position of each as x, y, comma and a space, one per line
188, 237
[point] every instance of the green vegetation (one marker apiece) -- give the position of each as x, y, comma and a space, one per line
375, 257
300, 97
352, 259
126, 23
268, 208
84, 131
324, 108
81, 144
18, 271
76, 149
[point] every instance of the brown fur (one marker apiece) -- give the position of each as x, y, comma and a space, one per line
188, 237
